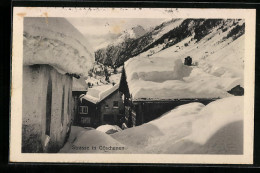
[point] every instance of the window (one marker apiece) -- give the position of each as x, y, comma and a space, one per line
106, 106
115, 104
83, 110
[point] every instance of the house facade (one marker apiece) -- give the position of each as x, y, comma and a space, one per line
46, 108
49, 50
139, 111
79, 88
105, 110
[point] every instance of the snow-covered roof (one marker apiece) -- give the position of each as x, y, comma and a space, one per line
56, 42
79, 85
158, 78
99, 93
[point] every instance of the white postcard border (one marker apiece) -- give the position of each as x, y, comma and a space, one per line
16, 86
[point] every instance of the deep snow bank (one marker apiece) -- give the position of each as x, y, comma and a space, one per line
191, 129
91, 141
56, 42
109, 128
216, 115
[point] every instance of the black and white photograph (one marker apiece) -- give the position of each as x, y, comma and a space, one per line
172, 85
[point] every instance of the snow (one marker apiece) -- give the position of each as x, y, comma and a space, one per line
160, 74
170, 127
152, 78
115, 77
217, 115
170, 25
82, 141
79, 85
106, 128
212, 55
193, 128
56, 42
132, 33
98, 93
93, 80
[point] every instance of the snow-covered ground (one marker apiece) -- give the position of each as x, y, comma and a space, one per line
170, 25
109, 128
193, 128
91, 141
100, 80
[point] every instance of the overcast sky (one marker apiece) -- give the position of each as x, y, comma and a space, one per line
99, 30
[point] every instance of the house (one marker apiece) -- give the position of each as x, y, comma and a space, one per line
151, 87
53, 53
101, 105
79, 88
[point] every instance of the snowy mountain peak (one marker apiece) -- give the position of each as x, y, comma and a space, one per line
132, 33
180, 33
138, 31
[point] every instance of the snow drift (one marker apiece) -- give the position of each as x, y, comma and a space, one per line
109, 129
217, 115
82, 140
56, 42
191, 129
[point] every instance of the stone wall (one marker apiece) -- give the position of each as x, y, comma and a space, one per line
47, 106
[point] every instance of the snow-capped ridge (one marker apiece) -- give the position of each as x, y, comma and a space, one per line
132, 33
169, 34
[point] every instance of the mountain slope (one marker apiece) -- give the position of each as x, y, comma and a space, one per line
109, 54
218, 62
168, 34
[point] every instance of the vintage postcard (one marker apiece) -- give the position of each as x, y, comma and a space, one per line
132, 85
